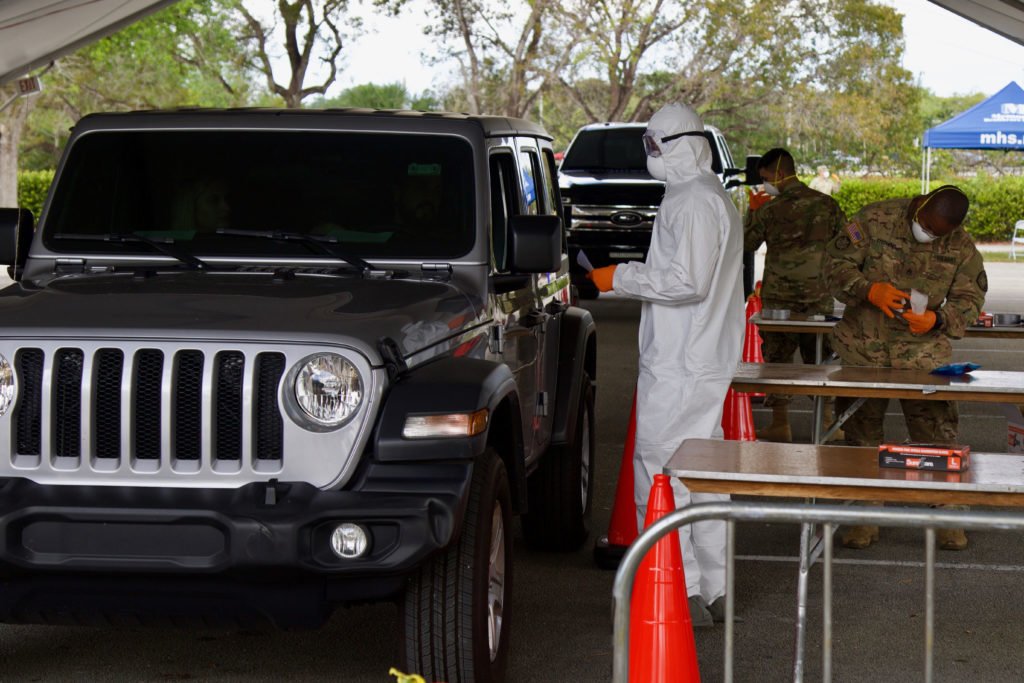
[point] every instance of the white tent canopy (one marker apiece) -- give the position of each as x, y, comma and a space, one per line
34, 32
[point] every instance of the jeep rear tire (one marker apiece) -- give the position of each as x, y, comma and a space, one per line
561, 491
456, 609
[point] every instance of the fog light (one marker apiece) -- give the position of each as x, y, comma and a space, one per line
349, 540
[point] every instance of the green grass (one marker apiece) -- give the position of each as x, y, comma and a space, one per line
1002, 257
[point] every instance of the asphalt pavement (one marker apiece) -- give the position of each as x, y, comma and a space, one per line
561, 620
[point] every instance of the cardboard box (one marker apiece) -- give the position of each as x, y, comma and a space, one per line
1014, 429
920, 456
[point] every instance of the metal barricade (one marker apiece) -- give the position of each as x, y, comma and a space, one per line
829, 516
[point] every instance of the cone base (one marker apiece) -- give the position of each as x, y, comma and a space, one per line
608, 556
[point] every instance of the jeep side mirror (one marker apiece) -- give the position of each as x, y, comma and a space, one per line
16, 227
750, 174
535, 244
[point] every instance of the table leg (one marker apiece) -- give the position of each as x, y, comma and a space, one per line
817, 418
801, 602
840, 419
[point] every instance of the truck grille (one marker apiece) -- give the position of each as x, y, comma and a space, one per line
149, 405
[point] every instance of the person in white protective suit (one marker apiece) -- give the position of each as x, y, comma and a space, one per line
691, 331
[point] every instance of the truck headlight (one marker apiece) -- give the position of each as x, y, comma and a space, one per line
328, 389
6, 385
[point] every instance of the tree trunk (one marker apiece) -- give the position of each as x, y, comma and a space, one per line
12, 123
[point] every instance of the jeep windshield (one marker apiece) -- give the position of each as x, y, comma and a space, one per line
369, 195
607, 150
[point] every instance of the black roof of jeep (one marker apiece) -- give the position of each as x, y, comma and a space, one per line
380, 119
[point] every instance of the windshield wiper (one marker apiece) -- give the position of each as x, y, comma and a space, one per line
165, 245
325, 244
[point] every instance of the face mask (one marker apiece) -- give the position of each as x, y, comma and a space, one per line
771, 190
920, 234
656, 167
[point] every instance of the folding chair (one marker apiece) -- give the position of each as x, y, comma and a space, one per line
1018, 238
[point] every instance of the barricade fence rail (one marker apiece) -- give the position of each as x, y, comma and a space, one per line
829, 516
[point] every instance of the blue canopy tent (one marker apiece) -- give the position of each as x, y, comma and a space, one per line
996, 123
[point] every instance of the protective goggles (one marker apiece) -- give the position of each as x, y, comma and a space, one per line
654, 141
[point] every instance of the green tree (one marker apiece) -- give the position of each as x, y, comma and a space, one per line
507, 52
186, 54
309, 30
846, 102
375, 96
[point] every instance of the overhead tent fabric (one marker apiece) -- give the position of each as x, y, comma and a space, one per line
35, 32
996, 123
1005, 17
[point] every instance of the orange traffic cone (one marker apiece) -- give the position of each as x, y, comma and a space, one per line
609, 549
661, 644
738, 417
752, 337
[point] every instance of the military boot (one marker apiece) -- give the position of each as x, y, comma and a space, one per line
779, 429
828, 416
951, 539
860, 537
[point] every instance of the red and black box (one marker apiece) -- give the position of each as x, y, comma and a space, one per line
924, 456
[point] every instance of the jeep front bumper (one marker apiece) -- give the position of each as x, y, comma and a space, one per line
258, 528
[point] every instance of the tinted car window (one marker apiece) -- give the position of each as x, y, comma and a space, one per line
379, 195
612, 149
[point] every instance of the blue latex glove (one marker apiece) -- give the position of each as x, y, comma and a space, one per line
954, 369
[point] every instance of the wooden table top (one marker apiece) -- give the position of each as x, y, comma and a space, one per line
840, 472
984, 386
798, 323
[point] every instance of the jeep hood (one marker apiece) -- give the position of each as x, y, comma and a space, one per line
256, 307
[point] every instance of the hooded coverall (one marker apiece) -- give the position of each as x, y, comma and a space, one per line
691, 331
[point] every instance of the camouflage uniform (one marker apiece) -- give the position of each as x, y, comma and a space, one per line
796, 225
877, 246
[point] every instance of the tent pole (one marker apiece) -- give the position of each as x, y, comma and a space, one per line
923, 153
928, 173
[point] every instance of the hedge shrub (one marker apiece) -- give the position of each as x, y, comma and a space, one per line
32, 189
995, 202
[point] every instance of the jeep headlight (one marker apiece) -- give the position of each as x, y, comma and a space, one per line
6, 385
328, 389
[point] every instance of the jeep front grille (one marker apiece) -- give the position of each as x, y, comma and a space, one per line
93, 405
171, 413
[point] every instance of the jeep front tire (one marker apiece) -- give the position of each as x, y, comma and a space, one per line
456, 608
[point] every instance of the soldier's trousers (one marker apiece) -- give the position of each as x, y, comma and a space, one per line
779, 347
927, 421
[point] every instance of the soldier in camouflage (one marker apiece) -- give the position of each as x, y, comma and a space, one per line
796, 225
886, 250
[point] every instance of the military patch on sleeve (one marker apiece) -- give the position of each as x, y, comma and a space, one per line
982, 281
854, 231
842, 242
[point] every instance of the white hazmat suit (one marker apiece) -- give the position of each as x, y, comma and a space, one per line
691, 329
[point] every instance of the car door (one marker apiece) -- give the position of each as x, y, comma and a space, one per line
514, 337
551, 290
